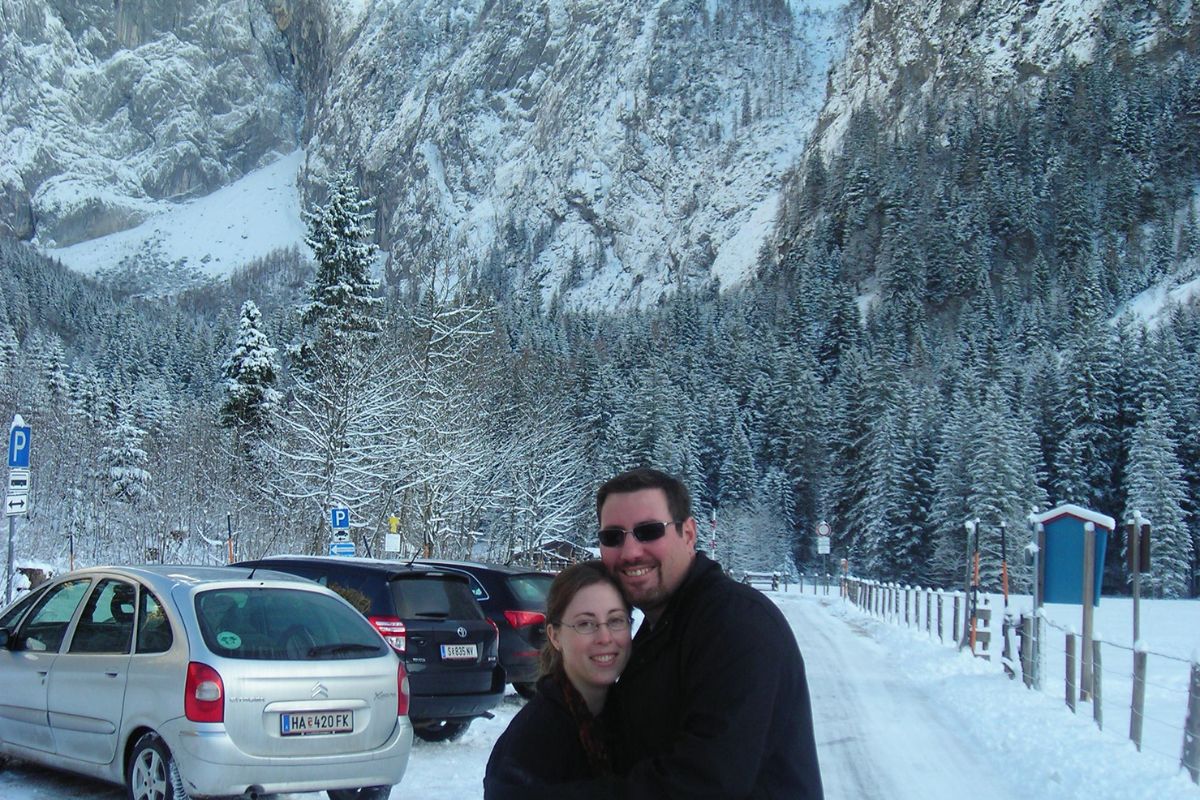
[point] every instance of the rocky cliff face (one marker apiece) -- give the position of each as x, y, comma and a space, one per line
108, 107
602, 151
608, 152
913, 61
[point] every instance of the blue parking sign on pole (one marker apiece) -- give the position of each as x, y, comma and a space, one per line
339, 518
18, 447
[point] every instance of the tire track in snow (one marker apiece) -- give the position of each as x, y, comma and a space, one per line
880, 736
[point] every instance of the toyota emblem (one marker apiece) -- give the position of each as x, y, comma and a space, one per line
462, 632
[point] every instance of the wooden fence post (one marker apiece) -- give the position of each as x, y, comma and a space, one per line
941, 598
1071, 670
1139, 697
907, 588
1006, 655
1191, 728
1097, 712
928, 610
956, 628
1026, 650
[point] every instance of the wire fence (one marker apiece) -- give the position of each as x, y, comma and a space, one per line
1025, 641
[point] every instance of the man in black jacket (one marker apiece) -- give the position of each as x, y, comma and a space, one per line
714, 702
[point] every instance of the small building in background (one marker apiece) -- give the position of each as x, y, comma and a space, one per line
554, 555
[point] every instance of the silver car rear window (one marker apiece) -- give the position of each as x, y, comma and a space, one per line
274, 624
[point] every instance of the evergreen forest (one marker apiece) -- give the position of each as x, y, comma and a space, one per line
943, 329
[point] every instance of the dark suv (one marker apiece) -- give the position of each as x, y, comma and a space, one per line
514, 599
431, 620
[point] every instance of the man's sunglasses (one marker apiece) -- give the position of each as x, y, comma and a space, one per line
643, 532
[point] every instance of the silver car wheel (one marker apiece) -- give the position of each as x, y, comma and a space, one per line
152, 771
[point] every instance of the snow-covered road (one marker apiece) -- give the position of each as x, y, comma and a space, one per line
897, 717
879, 735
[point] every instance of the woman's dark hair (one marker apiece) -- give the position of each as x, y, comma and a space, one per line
566, 585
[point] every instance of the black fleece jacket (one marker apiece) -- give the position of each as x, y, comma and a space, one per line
714, 702
541, 747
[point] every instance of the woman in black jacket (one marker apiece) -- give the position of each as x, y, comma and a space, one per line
559, 735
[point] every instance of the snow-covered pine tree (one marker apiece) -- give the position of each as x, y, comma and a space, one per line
10, 351
1155, 486
123, 461
249, 381
1003, 471
952, 484
1088, 410
342, 313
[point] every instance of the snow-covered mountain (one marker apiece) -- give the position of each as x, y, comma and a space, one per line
607, 151
109, 109
916, 61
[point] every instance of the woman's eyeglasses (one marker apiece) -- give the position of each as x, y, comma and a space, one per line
643, 532
589, 627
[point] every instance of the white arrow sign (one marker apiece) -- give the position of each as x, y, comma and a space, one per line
16, 504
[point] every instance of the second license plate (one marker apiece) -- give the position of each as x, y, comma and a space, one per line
452, 652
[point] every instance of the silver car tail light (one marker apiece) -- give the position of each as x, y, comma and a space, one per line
402, 690
203, 694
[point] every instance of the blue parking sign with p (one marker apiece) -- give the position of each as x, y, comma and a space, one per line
18, 447
339, 518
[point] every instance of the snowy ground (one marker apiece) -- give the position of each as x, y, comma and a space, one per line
897, 716
214, 234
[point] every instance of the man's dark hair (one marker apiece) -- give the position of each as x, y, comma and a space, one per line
679, 502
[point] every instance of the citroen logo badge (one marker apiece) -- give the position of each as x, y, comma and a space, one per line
319, 690
462, 632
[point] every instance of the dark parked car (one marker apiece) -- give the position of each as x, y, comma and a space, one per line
515, 599
431, 620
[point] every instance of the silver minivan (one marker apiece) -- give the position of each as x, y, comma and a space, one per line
202, 681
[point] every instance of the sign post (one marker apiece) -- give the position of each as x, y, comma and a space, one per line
971, 585
1137, 551
1089, 567
391, 540
339, 522
16, 499
823, 532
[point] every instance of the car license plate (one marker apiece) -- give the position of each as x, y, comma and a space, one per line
452, 652
305, 722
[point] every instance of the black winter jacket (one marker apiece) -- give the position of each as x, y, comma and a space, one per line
539, 749
714, 702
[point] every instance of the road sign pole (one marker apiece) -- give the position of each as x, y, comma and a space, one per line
8, 573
